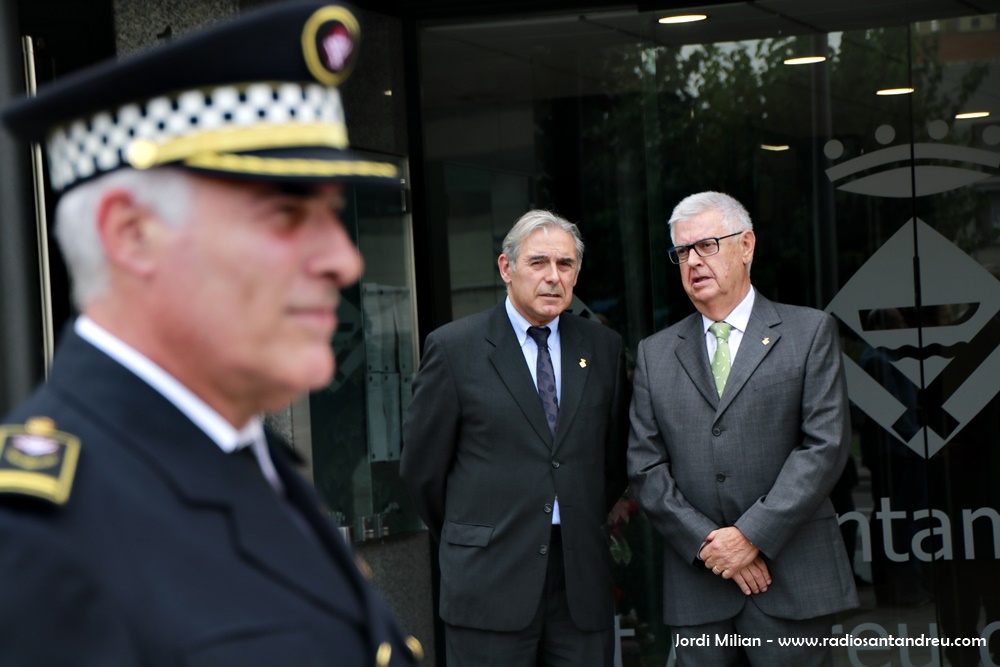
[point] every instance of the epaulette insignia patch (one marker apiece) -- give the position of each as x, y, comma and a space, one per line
37, 460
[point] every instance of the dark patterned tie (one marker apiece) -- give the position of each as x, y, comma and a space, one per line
546, 376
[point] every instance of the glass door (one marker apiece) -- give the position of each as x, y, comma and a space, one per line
872, 173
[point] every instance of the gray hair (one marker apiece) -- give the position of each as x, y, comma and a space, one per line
531, 222
734, 216
165, 191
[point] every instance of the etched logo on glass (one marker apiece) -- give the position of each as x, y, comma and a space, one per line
955, 333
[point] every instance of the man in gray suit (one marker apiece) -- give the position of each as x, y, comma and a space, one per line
740, 428
514, 452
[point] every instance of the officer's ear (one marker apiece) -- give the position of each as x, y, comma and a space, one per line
128, 232
506, 268
748, 242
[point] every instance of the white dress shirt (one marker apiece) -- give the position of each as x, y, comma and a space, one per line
738, 319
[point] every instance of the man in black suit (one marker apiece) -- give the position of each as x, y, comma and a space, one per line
145, 516
514, 454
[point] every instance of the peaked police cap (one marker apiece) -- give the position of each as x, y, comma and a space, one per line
254, 98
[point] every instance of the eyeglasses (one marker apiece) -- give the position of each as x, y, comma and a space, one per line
705, 247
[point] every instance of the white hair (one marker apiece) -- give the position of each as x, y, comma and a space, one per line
532, 221
734, 216
165, 191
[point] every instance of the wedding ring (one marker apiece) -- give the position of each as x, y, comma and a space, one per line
715, 569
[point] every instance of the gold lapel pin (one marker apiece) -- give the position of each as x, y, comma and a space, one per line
583, 363
766, 341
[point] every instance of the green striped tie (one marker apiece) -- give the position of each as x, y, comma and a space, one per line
721, 362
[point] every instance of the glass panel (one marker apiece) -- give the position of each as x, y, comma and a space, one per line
883, 210
480, 201
958, 536
356, 421
920, 369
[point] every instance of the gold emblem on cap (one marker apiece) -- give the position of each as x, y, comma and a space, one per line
310, 31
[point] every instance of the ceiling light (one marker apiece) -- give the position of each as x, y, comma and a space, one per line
387, 93
683, 18
972, 114
775, 147
805, 60
894, 91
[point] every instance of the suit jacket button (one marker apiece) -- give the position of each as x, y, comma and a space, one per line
383, 655
716, 431
543, 549
548, 508
555, 464
416, 649
720, 477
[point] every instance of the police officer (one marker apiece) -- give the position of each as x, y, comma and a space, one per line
146, 517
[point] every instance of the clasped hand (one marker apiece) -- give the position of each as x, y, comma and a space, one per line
729, 554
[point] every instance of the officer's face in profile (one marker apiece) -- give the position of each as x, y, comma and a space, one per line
251, 288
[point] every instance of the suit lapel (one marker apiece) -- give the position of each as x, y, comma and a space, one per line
150, 428
752, 348
272, 543
270, 539
693, 358
508, 359
575, 354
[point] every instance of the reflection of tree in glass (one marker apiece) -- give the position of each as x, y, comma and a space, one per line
686, 119
877, 58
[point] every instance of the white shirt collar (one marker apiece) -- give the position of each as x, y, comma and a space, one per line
739, 318
521, 325
198, 411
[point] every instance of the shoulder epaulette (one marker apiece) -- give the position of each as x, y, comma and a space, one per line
37, 460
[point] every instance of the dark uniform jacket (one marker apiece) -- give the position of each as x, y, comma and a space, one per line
167, 551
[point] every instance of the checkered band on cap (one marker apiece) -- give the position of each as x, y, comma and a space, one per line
219, 120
